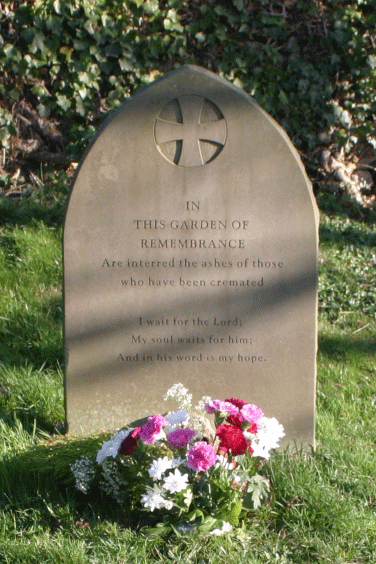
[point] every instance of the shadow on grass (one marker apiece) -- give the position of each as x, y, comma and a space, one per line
24, 213
350, 235
336, 203
31, 337
40, 477
341, 347
44, 467
28, 203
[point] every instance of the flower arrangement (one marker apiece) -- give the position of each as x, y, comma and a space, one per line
181, 471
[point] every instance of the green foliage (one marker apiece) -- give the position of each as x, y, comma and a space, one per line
347, 268
31, 332
81, 58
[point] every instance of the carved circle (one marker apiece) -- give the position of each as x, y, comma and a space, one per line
190, 131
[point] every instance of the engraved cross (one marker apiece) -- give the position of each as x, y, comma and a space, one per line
191, 131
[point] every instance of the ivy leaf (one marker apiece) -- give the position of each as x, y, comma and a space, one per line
126, 65
63, 102
39, 90
57, 6
283, 98
38, 42
4, 137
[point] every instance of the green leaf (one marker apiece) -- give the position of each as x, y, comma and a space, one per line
80, 45
43, 110
232, 516
159, 530
39, 90
12, 129
14, 94
38, 42
57, 6
63, 101
113, 50
126, 65
152, 7
28, 34
283, 98
4, 137
258, 491
208, 524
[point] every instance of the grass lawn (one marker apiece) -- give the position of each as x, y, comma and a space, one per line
323, 506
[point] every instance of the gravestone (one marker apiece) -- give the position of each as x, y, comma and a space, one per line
190, 256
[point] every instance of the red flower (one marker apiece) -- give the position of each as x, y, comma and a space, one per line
235, 420
232, 438
239, 403
253, 429
130, 442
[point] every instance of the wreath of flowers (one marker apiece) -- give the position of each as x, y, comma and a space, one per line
181, 471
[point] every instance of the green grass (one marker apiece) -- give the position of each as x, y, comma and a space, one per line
323, 508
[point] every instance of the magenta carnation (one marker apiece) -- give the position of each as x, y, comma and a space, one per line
152, 429
251, 413
179, 438
222, 407
201, 457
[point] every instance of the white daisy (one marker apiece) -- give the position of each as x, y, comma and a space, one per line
176, 482
159, 467
175, 462
267, 437
226, 528
153, 500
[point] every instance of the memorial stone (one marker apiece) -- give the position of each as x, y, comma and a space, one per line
190, 256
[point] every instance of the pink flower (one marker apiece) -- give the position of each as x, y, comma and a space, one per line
251, 413
222, 407
201, 457
179, 438
151, 431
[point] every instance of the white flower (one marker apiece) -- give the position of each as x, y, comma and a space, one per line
267, 437
175, 462
83, 470
178, 417
226, 528
224, 462
111, 447
153, 500
159, 467
175, 419
181, 395
175, 482
201, 404
112, 481
168, 504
